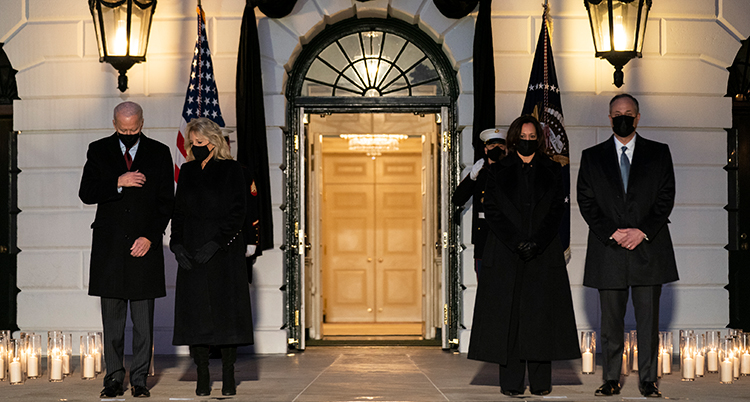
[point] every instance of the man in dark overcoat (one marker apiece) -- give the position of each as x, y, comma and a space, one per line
130, 178
473, 186
523, 312
626, 191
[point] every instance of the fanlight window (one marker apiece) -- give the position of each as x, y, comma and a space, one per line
372, 64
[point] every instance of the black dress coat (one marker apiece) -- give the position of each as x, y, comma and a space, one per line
547, 328
123, 217
212, 300
606, 207
474, 188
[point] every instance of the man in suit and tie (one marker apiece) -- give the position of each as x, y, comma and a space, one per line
626, 191
131, 180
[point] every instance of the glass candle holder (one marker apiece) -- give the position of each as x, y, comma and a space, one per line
713, 338
33, 356
588, 352
634, 349
726, 370
683, 334
98, 352
688, 357
16, 355
88, 360
665, 352
736, 342
3, 357
55, 357
700, 355
626, 354
67, 342
745, 354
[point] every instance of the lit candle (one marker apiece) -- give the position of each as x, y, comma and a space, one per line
688, 367
66, 364
746, 363
15, 371
712, 359
660, 364
32, 366
625, 365
666, 363
55, 372
98, 357
587, 362
88, 366
736, 366
726, 371
2, 364
635, 359
700, 364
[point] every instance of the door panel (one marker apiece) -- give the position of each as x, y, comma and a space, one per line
348, 252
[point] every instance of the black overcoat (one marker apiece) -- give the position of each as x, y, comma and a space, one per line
647, 204
547, 328
212, 300
122, 217
469, 188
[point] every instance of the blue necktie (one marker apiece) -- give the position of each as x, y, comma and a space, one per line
624, 168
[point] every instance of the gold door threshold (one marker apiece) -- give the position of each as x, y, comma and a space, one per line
373, 329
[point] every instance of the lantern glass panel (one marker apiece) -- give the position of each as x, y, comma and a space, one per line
599, 19
140, 23
623, 31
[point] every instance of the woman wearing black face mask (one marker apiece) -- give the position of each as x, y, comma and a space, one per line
523, 315
212, 299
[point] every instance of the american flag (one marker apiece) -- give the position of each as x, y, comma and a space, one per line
202, 98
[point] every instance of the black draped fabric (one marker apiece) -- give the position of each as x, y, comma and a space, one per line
484, 77
273, 8
455, 8
252, 148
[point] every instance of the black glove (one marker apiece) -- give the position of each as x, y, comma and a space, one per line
182, 256
527, 250
206, 252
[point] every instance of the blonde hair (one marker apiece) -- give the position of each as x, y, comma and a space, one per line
212, 132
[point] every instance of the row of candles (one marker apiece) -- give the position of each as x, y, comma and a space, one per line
21, 358
698, 353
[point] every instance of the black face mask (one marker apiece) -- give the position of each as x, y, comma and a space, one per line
495, 154
527, 147
623, 125
129, 140
200, 152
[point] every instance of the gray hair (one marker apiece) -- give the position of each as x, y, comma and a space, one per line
126, 109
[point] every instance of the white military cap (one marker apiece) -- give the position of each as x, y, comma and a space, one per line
493, 135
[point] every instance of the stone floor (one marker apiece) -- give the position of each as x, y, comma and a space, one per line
368, 374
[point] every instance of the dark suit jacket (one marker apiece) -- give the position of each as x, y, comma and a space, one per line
546, 328
123, 217
647, 204
474, 188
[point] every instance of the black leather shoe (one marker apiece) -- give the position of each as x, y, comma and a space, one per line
112, 389
609, 388
542, 393
509, 392
649, 389
140, 391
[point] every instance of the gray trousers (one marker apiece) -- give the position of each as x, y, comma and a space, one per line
114, 315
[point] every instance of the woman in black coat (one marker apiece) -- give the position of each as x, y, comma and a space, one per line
212, 300
523, 315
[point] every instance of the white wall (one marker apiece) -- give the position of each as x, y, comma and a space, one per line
67, 99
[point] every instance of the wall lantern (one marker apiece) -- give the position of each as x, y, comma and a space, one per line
618, 28
122, 29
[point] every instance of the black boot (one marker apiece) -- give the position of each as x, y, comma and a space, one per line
200, 357
228, 357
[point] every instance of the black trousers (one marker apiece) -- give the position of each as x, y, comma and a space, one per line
512, 374
646, 308
114, 315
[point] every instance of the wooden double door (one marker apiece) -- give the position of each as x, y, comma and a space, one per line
372, 238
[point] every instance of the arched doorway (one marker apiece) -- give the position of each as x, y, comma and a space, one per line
371, 70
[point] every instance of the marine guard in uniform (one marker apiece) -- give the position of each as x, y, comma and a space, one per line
473, 185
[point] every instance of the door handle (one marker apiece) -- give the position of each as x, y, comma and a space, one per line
369, 310
380, 260
369, 259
